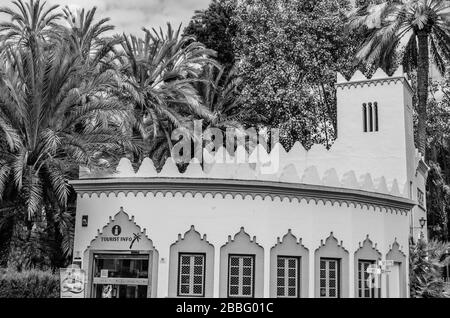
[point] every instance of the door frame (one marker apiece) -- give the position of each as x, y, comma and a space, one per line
90, 267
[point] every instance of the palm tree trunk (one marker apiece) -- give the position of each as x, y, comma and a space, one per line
422, 88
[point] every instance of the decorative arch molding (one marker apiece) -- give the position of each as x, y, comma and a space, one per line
332, 249
366, 252
395, 254
290, 246
244, 190
191, 243
121, 235
242, 244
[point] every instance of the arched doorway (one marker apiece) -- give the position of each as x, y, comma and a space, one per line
121, 261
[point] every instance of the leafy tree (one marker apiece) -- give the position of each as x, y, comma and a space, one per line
438, 203
410, 30
438, 150
213, 27
288, 53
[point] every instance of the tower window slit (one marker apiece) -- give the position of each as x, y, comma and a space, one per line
364, 109
370, 117
376, 116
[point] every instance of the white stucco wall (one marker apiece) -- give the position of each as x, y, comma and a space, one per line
384, 161
166, 217
384, 152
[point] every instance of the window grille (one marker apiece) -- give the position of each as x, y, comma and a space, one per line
191, 275
241, 275
288, 277
329, 278
364, 291
420, 197
446, 273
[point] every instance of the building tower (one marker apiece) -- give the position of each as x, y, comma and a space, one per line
375, 130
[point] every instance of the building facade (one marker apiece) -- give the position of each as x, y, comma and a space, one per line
226, 228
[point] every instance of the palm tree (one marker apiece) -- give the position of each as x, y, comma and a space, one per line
220, 93
55, 115
427, 261
415, 28
159, 72
32, 22
88, 38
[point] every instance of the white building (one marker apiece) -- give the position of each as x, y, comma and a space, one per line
310, 230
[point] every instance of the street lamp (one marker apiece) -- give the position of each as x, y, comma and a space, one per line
422, 222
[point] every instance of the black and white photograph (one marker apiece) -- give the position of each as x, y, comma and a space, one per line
224, 154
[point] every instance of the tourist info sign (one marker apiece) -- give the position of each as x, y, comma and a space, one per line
72, 282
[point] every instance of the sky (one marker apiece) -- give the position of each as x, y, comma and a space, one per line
131, 15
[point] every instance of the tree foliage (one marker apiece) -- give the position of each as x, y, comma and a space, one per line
438, 150
214, 29
426, 262
55, 115
159, 73
288, 54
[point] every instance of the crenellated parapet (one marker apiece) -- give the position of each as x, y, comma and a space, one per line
378, 78
373, 154
293, 167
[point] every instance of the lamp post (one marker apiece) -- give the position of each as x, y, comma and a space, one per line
422, 222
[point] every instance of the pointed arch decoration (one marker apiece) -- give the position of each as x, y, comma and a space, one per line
290, 246
332, 249
242, 244
396, 255
191, 243
367, 252
121, 235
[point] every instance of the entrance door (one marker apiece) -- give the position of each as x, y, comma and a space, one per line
394, 281
120, 276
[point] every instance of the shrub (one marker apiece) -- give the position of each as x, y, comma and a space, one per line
426, 269
29, 284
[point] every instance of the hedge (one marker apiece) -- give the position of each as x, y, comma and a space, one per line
28, 284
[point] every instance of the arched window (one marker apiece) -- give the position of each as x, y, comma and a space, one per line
370, 117
364, 110
376, 115
289, 267
241, 267
331, 269
191, 266
365, 256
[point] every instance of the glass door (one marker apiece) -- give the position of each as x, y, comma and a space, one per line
120, 275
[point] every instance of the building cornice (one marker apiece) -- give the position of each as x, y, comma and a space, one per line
243, 188
375, 82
